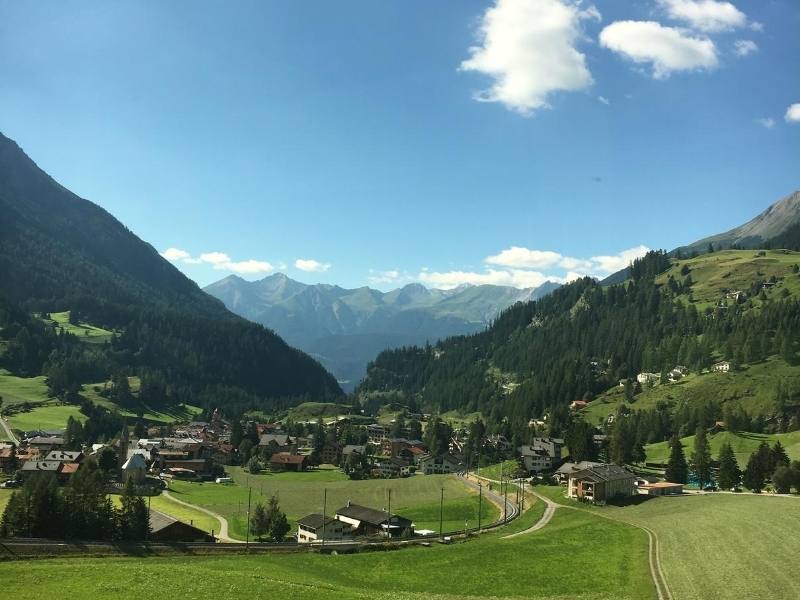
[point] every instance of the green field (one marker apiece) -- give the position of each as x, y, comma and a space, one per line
507, 468
18, 390
722, 545
84, 331
576, 556
300, 494
743, 444
49, 415
4, 496
177, 511
753, 388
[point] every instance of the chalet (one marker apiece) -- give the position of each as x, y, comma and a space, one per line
368, 521
376, 433
645, 378
392, 467
434, 465
659, 488
201, 466
568, 468
721, 367
278, 442
316, 527
577, 404
7, 456
62, 471
67, 456
601, 483
164, 528
675, 375
283, 461
542, 454
330, 454
45, 444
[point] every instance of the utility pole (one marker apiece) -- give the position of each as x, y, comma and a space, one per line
247, 542
148, 514
480, 505
389, 517
324, 510
441, 515
504, 490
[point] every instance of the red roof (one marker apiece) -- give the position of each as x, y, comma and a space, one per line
68, 468
287, 459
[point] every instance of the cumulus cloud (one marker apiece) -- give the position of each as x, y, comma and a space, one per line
744, 47
705, 15
666, 49
615, 262
756, 26
381, 277
218, 260
513, 277
528, 48
524, 258
793, 113
603, 100
767, 122
311, 266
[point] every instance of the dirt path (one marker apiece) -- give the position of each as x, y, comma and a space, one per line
549, 511
9, 434
223, 522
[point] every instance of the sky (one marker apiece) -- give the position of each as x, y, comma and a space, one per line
382, 143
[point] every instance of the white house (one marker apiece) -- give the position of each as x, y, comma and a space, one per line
721, 367
542, 454
316, 527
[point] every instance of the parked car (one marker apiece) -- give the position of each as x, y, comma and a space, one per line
224, 480
10, 484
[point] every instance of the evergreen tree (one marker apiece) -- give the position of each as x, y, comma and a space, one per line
254, 465
755, 473
133, 517
677, 469
783, 479
278, 523
778, 457
701, 458
259, 521
729, 472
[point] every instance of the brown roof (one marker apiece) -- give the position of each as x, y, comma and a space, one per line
68, 468
661, 484
287, 459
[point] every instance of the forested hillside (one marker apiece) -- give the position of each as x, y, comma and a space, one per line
59, 252
584, 338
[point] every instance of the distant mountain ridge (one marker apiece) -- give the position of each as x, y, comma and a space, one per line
346, 328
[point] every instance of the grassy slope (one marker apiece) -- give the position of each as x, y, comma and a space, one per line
743, 444
724, 546
302, 493
754, 388
83, 331
4, 496
605, 560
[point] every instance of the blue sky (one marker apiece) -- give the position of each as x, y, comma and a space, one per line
386, 142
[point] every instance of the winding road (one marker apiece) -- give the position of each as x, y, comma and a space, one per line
9, 434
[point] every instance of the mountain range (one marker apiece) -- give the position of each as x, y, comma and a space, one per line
346, 328
60, 252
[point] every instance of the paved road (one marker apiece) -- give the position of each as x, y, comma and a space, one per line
9, 434
223, 522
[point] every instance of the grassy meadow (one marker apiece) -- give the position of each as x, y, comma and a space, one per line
300, 494
4, 496
743, 444
577, 556
83, 331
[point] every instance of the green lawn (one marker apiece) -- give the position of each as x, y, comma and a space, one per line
300, 494
576, 556
743, 444
722, 546
18, 390
4, 496
46, 416
509, 469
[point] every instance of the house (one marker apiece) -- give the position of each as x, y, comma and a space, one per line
316, 527
164, 528
283, 461
392, 467
542, 454
353, 449
278, 442
577, 404
675, 375
134, 468
435, 465
648, 378
45, 444
601, 483
7, 456
201, 466
721, 367
368, 521
568, 468
62, 471
659, 488
67, 456
330, 453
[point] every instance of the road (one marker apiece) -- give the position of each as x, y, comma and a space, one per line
223, 522
549, 511
9, 434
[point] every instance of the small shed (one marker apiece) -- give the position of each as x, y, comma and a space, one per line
164, 528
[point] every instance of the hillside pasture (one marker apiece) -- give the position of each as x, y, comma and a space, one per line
606, 560
743, 444
83, 331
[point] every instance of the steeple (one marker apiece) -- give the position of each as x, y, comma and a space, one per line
123, 446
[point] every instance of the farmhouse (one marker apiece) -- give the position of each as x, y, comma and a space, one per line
164, 528
437, 465
392, 467
568, 468
46, 444
368, 521
62, 471
601, 483
542, 454
330, 453
316, 527
277, 442
721, 367
283, 461
648, 378
577, 404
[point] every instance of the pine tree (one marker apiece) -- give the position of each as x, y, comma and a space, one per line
755, 474
729, 472
259, 521
701, 457
278, 523
778, 457
677, 470
133, 517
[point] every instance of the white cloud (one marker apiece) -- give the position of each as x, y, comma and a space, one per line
667, 49
513, 277
175, 254
613, 263
379, 277
311, 266
604, 100
705, 15
793, 113
524, 258
219, 261
528, 48
767, 122
744, 47
756, 26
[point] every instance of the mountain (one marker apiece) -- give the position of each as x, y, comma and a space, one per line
346, 328
583, 338
776, 227
59, 252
